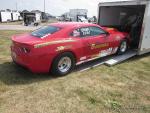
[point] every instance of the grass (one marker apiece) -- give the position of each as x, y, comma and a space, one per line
52, 20
124, 88
12, 23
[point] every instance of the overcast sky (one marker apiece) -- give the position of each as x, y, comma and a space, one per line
54, 7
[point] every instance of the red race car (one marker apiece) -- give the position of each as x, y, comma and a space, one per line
58, 47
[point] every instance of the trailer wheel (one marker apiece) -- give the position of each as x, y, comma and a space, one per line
123, 47
63, 64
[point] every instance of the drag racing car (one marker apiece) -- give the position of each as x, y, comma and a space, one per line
59, 47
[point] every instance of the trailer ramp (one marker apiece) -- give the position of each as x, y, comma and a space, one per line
90, 65
120, 58
109, 61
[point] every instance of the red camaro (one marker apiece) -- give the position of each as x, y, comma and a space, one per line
58, 47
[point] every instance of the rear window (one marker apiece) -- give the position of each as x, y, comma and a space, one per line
46, 30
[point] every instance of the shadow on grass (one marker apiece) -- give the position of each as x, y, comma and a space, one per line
136, 58
12, 74
139, 57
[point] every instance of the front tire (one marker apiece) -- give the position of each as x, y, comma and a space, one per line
63, 64
123, 47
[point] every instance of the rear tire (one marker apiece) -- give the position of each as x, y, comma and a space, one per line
63, 64
123, 47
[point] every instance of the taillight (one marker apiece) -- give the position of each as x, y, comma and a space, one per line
25, 50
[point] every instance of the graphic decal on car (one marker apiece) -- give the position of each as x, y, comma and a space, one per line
85, 31
95, 56
61, 48
97, 46
102, 53
83, 58
51, 43
106, 52
114, 50
118, 38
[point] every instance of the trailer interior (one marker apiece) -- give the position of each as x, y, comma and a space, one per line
127, 18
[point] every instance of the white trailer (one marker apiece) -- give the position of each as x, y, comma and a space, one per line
5, 16
38, 17
78, 14
15, 16
118, 13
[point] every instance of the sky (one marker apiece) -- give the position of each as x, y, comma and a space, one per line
54, 7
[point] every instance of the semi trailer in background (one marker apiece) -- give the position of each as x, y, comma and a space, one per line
128, 16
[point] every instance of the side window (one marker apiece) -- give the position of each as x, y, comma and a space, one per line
85, 31
81, 32
76, 33
96, 31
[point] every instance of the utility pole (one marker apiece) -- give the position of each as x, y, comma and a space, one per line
44, 6
16, 6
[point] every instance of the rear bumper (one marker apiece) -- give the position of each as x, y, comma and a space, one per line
35, 63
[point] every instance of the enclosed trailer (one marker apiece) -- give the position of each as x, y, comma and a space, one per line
15, 16
5, 16
28, 18
38, 15
128, 16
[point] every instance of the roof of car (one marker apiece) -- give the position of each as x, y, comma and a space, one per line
72, 24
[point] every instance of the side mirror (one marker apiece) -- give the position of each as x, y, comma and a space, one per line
106, 34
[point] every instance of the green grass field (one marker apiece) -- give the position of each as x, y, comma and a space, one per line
12, 23
52, 20
124, 88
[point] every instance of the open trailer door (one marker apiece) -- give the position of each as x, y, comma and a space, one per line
144, 46
131, 17
127, 16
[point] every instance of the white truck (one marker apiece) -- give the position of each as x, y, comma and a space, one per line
128, 16
78, 15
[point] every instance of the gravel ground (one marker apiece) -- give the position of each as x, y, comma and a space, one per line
17, 27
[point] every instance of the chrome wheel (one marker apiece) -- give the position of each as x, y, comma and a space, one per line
64, 64
123, 46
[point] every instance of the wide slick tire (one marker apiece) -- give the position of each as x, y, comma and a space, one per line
63, 64
123, 47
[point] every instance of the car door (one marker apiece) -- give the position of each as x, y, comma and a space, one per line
83, 35
96, 41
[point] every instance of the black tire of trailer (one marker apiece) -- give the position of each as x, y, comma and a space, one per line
119, 51
54, 69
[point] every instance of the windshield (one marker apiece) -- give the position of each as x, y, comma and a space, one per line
46, 30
